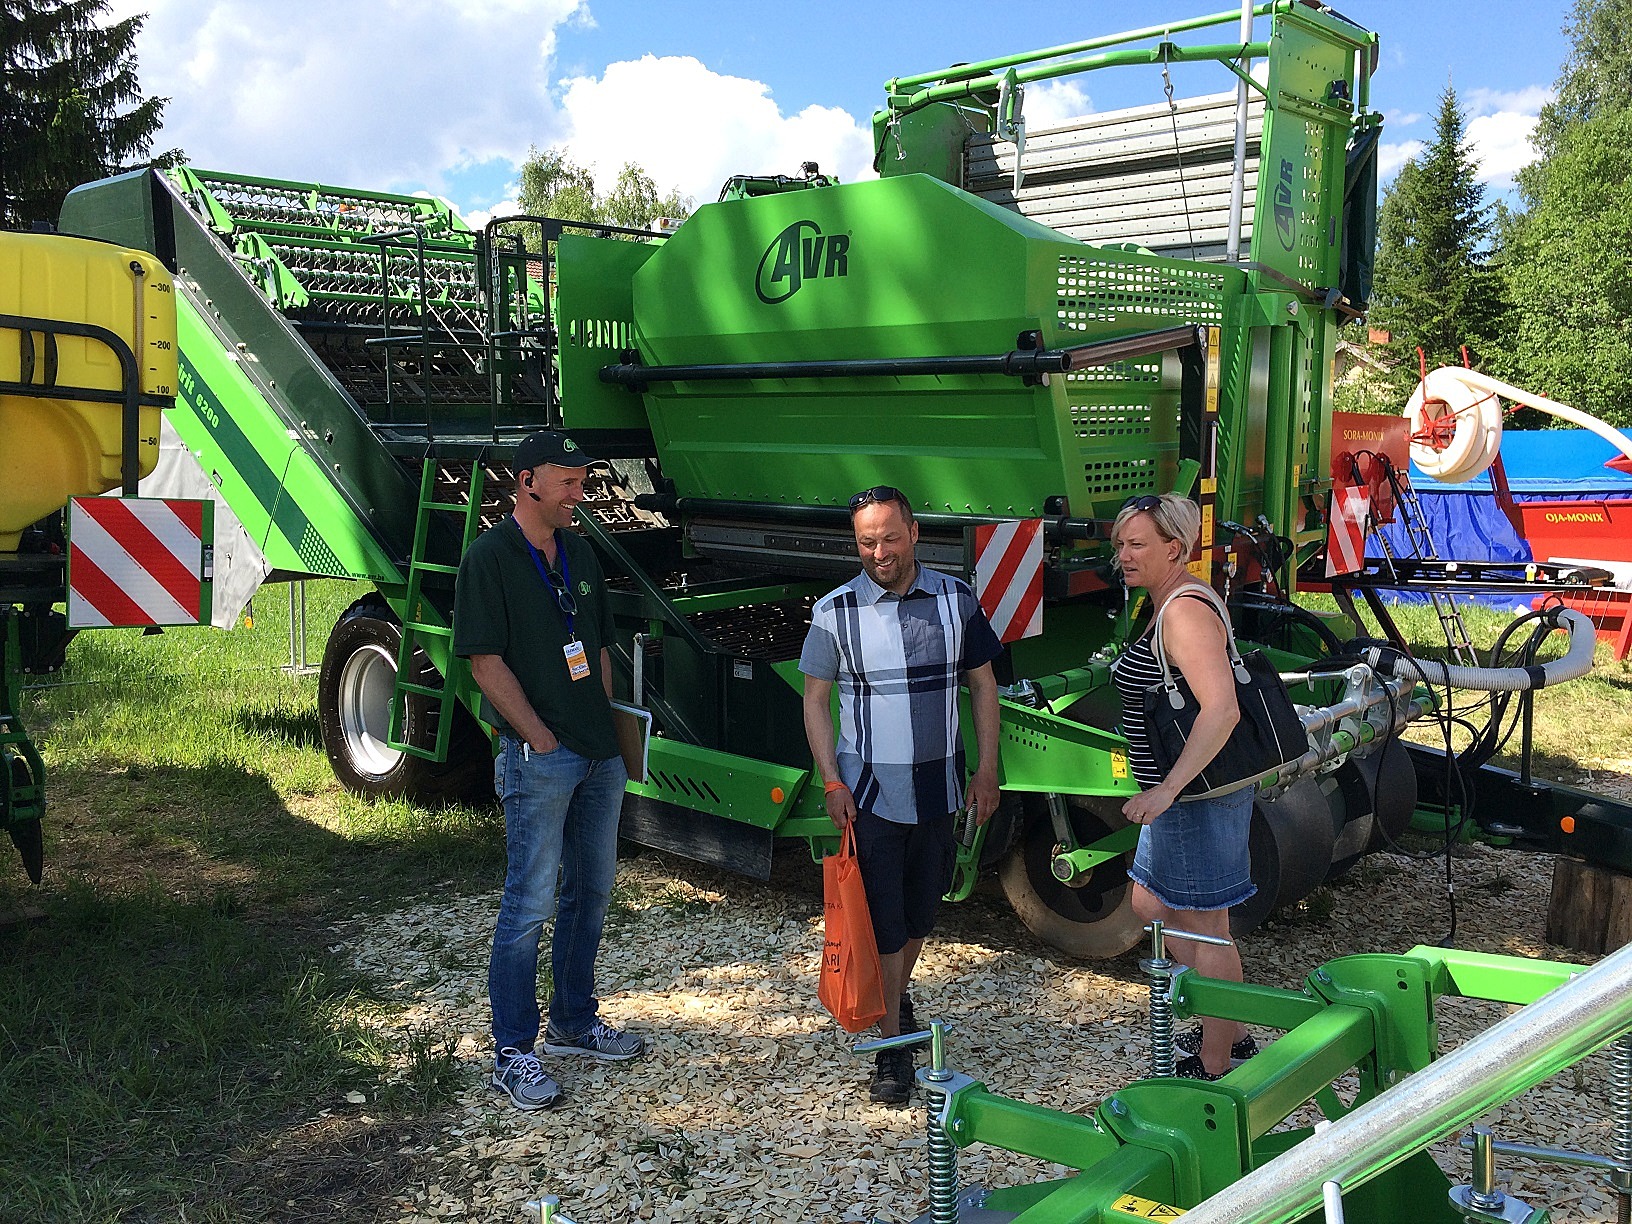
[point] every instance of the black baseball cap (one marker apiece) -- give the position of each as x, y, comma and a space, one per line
550, 446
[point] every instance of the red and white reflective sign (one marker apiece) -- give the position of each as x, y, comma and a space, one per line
1009, 577
136, 561
1346, 530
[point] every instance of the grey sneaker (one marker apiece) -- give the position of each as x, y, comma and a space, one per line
519, 1077
602, 1041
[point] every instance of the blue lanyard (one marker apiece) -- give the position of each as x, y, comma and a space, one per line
544, 573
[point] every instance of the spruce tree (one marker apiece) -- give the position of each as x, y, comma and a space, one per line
71, 108
1433, 288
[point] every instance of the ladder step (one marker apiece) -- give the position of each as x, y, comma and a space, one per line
423, 690
435, 567
450, 507
437, 631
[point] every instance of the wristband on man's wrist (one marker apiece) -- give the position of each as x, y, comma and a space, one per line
830, 787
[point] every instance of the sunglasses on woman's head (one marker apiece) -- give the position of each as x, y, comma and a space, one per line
1147, 503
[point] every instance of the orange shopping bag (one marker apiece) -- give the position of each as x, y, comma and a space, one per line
851, 986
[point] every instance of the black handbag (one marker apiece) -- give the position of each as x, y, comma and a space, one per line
1269, 735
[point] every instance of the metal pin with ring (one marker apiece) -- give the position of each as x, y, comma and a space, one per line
548, 1208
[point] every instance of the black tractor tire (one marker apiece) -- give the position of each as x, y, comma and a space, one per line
1094, 921
354, 690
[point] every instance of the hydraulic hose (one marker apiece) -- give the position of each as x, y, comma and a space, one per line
1576, 662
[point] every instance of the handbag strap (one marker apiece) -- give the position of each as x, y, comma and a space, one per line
847, 840
1242, 675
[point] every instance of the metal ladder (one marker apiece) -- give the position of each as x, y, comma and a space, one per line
418, 628
1422, 541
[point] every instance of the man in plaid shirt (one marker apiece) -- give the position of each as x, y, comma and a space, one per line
898, 639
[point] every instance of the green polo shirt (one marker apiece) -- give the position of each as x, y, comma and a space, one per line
502, 606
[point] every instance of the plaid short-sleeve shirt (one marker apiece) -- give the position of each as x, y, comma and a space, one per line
898, 661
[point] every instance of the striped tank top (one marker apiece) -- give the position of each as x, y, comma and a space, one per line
1134, 671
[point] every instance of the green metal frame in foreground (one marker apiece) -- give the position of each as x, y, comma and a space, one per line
1179, 1142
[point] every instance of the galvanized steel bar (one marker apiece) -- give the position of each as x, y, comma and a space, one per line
1515, 1054
1547, 1155
1238, 171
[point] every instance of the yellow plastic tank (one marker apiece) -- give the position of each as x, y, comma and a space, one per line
57, 446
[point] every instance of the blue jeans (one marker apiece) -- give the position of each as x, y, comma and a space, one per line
560, 818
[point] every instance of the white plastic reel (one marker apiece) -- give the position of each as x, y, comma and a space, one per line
1478, 413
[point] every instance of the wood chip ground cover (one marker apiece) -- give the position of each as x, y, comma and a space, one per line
752, 1105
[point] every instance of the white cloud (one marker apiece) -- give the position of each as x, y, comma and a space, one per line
387, 95
1501, 145
1526, 101
1500, 131
476, 218
1399, 119
1048, 103
1390, 157
692, 128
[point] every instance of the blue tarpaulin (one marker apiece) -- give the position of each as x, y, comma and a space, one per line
1468, 525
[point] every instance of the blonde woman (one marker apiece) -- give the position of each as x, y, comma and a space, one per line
1192, 863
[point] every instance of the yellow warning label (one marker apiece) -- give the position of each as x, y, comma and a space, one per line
1119, 764
1132, 1207
1210, 404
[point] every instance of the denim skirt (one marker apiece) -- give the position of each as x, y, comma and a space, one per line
1196, 855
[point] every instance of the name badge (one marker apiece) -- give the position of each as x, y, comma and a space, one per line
577, 661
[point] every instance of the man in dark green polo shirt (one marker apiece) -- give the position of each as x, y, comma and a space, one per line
530, 613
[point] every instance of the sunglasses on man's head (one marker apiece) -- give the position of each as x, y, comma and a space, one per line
878, 493
1147, 503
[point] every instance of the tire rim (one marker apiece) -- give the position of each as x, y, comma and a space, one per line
366, 686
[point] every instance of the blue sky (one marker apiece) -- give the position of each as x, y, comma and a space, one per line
446, 96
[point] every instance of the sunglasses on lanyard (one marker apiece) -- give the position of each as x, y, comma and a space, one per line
558, 588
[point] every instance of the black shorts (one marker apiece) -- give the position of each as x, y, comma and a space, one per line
906, 870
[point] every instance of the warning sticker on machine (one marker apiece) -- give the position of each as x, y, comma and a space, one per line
1132, 1207
1119, 764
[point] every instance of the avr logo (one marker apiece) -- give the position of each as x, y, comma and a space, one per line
1285, 218
798, 254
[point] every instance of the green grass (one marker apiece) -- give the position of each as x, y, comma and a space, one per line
175, 1026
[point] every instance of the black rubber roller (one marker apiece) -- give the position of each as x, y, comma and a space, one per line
1292, 840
